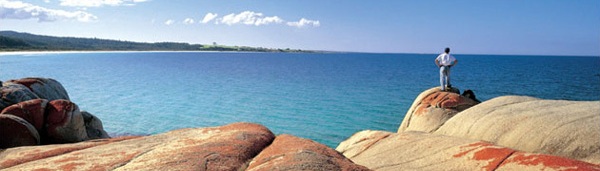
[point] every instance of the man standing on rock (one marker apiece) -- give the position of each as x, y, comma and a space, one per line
444, 61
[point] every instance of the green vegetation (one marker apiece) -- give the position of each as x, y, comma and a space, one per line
15, 41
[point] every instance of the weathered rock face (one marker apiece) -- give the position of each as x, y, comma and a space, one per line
444, 131
292, 153
361, 141
238, 146
65, 123
14, 93
45, 88
33, 111
43, 104
557, 127
410, 150
93, 126
15, 131
26, 154
227, 147
432, 108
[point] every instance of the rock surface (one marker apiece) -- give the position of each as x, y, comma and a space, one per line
432, 108
292, 153
45, 88
557, 127
229, 147
42, 104
64, 122
15, 132
33, 111
379, 150
443, 131
93, 126
13, 93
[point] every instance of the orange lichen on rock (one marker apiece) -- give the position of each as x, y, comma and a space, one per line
288, 152
546, 162
483, 151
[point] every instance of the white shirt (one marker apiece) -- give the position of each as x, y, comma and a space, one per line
445, 59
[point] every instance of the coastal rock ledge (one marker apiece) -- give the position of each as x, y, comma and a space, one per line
238, 146
443, 131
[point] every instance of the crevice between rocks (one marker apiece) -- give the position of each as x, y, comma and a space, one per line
504, 159
247, 162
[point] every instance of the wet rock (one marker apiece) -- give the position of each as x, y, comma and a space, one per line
15, 131
292, 153
45, 88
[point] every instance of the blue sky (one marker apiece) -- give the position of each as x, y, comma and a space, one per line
552, 27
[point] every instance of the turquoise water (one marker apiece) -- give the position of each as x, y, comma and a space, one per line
324, 97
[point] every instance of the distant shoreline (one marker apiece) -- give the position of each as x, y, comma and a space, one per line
3, 53
41, 52
16, 41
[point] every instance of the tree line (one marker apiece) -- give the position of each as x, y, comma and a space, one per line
16, 41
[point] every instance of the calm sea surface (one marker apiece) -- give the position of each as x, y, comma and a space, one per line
324, 97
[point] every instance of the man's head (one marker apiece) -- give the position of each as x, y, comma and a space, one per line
447, 50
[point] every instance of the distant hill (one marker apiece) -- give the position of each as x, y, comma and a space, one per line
16, 41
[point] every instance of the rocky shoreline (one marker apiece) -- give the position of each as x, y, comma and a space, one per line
40, 129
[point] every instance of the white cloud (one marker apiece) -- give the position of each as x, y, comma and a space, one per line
169, 22
188, 21
98, 3
248, 18
209, 17
253, 18
21, 10
304, 22
268, 20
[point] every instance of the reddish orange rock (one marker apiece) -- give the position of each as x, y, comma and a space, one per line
228, 147
482, 151
15, 156
33, 111
521, 160
292, 153
64, 122
433, 108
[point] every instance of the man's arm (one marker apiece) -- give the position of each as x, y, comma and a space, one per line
437, 62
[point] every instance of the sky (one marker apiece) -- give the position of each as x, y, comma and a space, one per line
516, 27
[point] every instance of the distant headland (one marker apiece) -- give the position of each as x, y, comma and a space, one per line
11, 41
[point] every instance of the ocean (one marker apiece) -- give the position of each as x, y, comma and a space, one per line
325, 97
